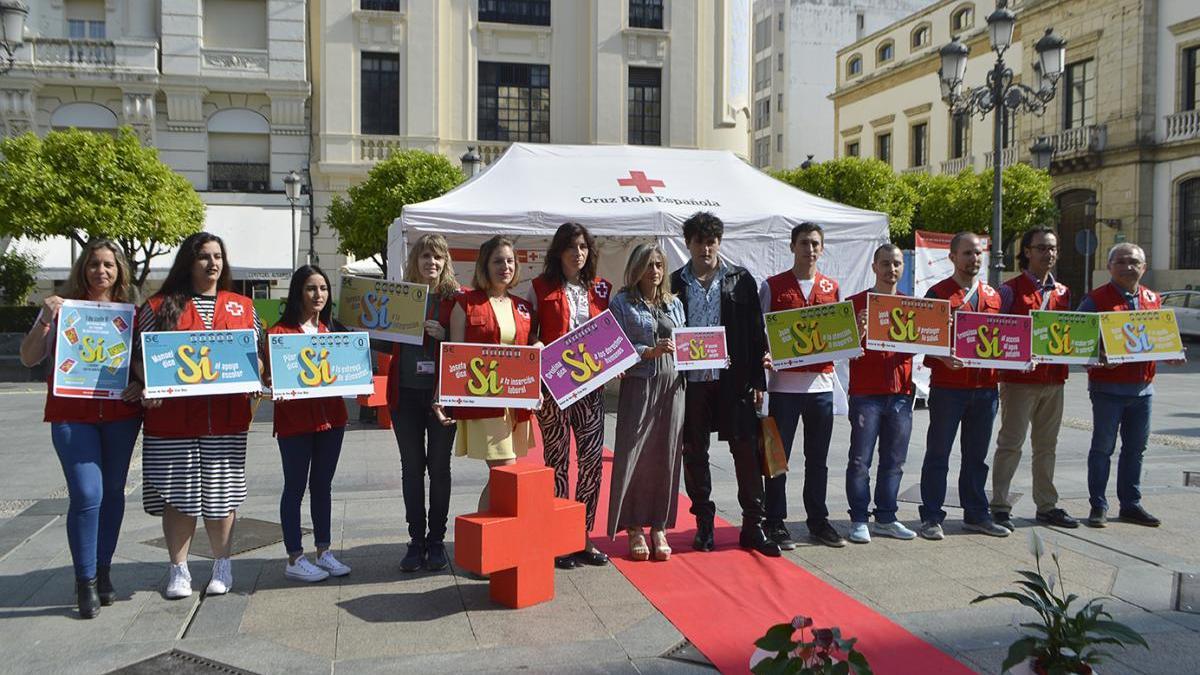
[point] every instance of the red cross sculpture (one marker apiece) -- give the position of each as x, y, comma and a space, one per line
516, 540
638, 180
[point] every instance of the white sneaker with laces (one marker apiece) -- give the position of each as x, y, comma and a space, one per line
304, 570
222, 577
179, 582
859, 533
895, 530
330, 564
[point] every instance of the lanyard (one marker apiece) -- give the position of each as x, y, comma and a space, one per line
970, 296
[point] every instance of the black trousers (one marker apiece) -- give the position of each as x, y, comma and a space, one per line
425, 448
701, 403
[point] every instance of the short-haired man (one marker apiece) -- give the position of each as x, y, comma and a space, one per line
717, 293
881, 405
960, 395
802, 392
1121, 396
1033, 399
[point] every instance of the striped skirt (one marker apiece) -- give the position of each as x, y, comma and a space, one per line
203, 477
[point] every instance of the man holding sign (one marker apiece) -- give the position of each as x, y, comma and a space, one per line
1121, 395
960, 395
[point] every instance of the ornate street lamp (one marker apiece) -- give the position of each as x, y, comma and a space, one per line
1005, 97
807, 163
12, 30
291, 187
470, 161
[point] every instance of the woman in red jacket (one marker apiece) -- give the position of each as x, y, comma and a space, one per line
194, 448
93, 438
310, 433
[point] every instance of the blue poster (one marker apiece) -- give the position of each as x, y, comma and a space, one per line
312, 365
92, 348
200, 363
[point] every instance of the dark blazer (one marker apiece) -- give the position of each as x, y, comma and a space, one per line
746, 339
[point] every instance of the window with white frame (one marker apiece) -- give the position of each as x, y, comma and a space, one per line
235, 24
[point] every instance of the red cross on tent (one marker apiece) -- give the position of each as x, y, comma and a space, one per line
638, 180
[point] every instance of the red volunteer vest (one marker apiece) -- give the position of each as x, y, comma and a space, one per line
787, 294
195, 416
307, 416
554, 311
482, 328
1109, 299
1026, 298
81, 410
987, 300
878, 373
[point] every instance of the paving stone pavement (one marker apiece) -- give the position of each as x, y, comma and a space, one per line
380, 620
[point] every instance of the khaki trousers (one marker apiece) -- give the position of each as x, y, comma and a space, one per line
1036, 410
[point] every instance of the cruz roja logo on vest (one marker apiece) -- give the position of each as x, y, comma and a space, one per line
645, 188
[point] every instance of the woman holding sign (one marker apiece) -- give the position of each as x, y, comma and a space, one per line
647, 456
489, 314
92, 437
309, 432
566, 295
194, 449
425, 436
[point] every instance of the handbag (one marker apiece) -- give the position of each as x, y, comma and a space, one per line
774, 459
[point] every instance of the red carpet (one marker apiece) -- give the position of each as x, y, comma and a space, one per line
724, 600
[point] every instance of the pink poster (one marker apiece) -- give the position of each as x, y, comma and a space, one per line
1001, 341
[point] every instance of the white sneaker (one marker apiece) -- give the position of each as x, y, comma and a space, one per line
222, 577
932, 531
331, 564
179, 583
895, 530
304, 570
859, 533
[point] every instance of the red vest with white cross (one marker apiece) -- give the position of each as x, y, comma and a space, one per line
1027, 296
787, 294
987, 300
482, 328
554, 310
1108, 298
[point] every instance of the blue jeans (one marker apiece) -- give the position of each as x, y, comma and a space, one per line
975, 409
308, 459
816, 410
1131, 416
95, 462
888, 419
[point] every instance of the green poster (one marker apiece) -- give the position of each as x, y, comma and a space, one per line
269, 310
1066, 337
817, 334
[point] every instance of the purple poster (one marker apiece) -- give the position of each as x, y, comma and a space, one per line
581, 361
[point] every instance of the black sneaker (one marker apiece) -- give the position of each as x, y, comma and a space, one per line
591, 557
414, 558
1058, 518
1138, 516
1097, 517
435, 556
565, 562
1003, 519
824, 533
778, 533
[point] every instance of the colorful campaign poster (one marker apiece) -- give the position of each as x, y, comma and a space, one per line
1000, 341
1066, 337
489, 376
389, 310
899, 323
200, 363
581, 361
817, 334
700, 348
1148, 335
92, 349
315, 365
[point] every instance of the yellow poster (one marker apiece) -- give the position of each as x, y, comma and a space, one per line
389, 310
1149, 335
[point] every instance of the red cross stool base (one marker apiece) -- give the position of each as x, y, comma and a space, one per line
516, 540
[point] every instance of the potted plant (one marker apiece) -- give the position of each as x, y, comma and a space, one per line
828, 653
1062, 641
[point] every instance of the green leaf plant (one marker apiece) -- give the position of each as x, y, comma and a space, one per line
827, 653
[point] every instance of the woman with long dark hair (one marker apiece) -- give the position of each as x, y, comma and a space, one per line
194, 448
566, 295
93, 438
425, 435
309, 432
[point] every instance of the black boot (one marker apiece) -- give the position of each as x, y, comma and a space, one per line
754, 538
104, 586
87, 598
704, 535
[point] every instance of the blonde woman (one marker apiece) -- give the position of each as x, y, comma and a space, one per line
94, 439
647, 454
425, 435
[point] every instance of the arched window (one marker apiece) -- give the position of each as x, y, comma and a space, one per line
962, 18
854, 66
1188, 256
920, 36
886, 52
86, 116
239, 151
1072, 219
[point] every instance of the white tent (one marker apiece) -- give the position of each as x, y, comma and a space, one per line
626, 194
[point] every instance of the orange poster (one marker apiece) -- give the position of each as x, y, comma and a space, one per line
899, 323
489, 376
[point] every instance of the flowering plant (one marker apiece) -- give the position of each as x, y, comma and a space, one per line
828, 653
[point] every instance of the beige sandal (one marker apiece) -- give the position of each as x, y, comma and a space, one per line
662, 551
637, 544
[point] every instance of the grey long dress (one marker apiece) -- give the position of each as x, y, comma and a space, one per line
648, 449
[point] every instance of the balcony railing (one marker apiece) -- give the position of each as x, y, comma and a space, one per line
1008, 156
1183, 125
89, 55
924, 168
239, 177
379, 148
956, 165
1087, 139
